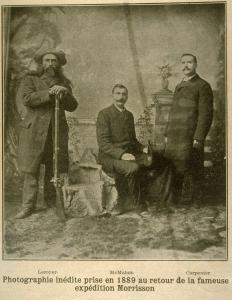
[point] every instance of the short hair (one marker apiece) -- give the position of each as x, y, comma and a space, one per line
120, 86
189, 54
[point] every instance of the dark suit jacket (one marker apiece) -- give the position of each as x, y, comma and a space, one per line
190, 118
39, 114
116, 134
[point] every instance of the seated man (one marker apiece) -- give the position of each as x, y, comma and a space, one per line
120, 152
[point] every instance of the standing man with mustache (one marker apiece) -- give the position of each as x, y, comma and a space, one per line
36, 140
189, 122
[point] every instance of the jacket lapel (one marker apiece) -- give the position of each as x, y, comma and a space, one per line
187, 83
48, 81
45, 80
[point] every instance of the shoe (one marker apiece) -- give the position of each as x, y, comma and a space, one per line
104, 214
50, 203
197, 204
142, 209
171, 209
117, 212
166, 208
24, 213
145, 214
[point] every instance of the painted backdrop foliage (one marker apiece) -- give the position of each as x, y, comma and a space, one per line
216, 177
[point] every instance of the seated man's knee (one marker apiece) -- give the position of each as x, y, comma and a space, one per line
132, 169
125, 167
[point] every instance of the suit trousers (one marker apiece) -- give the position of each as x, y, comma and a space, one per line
188, 187
128, 176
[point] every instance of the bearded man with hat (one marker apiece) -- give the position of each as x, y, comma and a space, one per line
36, 140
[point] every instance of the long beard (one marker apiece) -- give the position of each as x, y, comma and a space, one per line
52, 72
53, 75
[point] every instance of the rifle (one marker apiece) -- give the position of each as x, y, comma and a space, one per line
57, 180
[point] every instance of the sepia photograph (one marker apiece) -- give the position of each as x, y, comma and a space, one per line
114, 132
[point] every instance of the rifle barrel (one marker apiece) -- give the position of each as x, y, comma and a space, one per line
56, 150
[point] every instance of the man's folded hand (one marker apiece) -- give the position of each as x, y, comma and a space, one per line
128, 156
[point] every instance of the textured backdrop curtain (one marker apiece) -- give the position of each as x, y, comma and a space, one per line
11, 116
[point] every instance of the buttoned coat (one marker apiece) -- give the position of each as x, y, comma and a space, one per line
39, 116
190, 119
116, 135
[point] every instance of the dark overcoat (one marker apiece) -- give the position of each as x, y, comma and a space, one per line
190, 119
115, 135
39, 116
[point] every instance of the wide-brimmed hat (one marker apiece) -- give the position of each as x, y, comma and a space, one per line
58, 53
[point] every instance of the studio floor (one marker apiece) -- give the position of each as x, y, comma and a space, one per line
186, 234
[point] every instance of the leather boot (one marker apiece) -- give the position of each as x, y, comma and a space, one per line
24, 213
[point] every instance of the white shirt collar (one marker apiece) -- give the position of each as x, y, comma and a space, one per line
119, 109
189, 78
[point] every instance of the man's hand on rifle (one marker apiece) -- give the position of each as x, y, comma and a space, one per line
58, 90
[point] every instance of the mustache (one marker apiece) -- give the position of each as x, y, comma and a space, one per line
52, 71
186, 68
